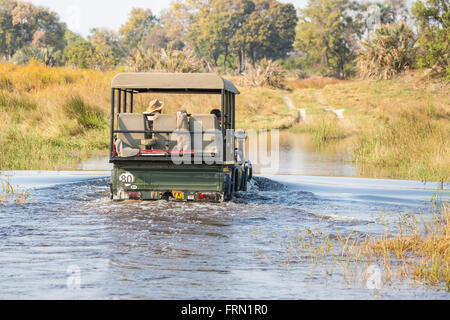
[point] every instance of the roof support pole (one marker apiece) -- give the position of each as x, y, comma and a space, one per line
233, 105
125, 94
119, 100
230, 112
223, 126
131, 101
111, 138
227, 114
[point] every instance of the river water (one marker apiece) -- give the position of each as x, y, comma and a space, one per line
69, 241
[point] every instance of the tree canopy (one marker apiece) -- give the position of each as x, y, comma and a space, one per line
23, 24
325, 37
327, 32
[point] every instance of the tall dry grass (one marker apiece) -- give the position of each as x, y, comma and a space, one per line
404, 131
418, 251
265, 73
10, 193
421, 251
164, 60
39, 129
311, 83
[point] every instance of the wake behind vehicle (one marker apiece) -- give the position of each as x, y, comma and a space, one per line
184, 157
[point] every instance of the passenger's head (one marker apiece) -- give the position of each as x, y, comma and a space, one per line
217, 113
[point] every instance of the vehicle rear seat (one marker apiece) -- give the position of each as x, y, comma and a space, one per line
209, 123
164, 122
131, 121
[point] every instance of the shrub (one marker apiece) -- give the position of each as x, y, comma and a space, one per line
10, 102
164, 60
88, 117
388, 51
46, 56
264, 74
80, 54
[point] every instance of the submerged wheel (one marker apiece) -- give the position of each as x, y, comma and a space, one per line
111, 191
236, 180
250, 171
244, 179
228, 188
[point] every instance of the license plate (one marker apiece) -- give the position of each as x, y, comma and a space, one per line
179, 195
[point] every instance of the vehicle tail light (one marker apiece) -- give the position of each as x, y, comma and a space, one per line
134, 195
207, 196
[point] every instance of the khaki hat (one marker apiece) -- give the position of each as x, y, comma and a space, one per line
155, 106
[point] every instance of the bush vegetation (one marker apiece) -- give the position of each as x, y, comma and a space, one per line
389, 51
164, 60
264, 74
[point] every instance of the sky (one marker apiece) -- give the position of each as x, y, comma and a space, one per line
83, 15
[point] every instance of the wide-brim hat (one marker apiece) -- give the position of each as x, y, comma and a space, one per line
155, 106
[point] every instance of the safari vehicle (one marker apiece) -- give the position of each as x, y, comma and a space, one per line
145, 148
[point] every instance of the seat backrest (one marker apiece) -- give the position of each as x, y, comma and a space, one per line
209, 123
131, 121
164, 122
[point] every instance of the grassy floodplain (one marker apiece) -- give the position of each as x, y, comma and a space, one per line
400, 128
53, 117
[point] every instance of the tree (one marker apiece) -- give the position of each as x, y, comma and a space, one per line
22, 24
139, 23
326, 33
217, 27
157, 38
80, 54
108, 48
433, 23
9, 35
247, 28
178, 20
276, 29
38, 24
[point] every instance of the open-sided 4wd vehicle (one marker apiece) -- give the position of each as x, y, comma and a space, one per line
183, 157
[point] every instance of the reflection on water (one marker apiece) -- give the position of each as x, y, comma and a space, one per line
298, 156
168, 250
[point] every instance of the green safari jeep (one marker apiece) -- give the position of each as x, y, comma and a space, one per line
181, 157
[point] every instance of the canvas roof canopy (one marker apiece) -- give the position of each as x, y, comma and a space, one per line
146, 81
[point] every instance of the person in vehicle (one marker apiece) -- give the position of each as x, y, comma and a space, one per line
155, 107
218, 114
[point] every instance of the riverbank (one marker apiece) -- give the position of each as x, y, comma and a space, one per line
56, 117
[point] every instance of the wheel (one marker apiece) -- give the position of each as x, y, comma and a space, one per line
237, 180
250, 171
111, 191
244, 180
228, 188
